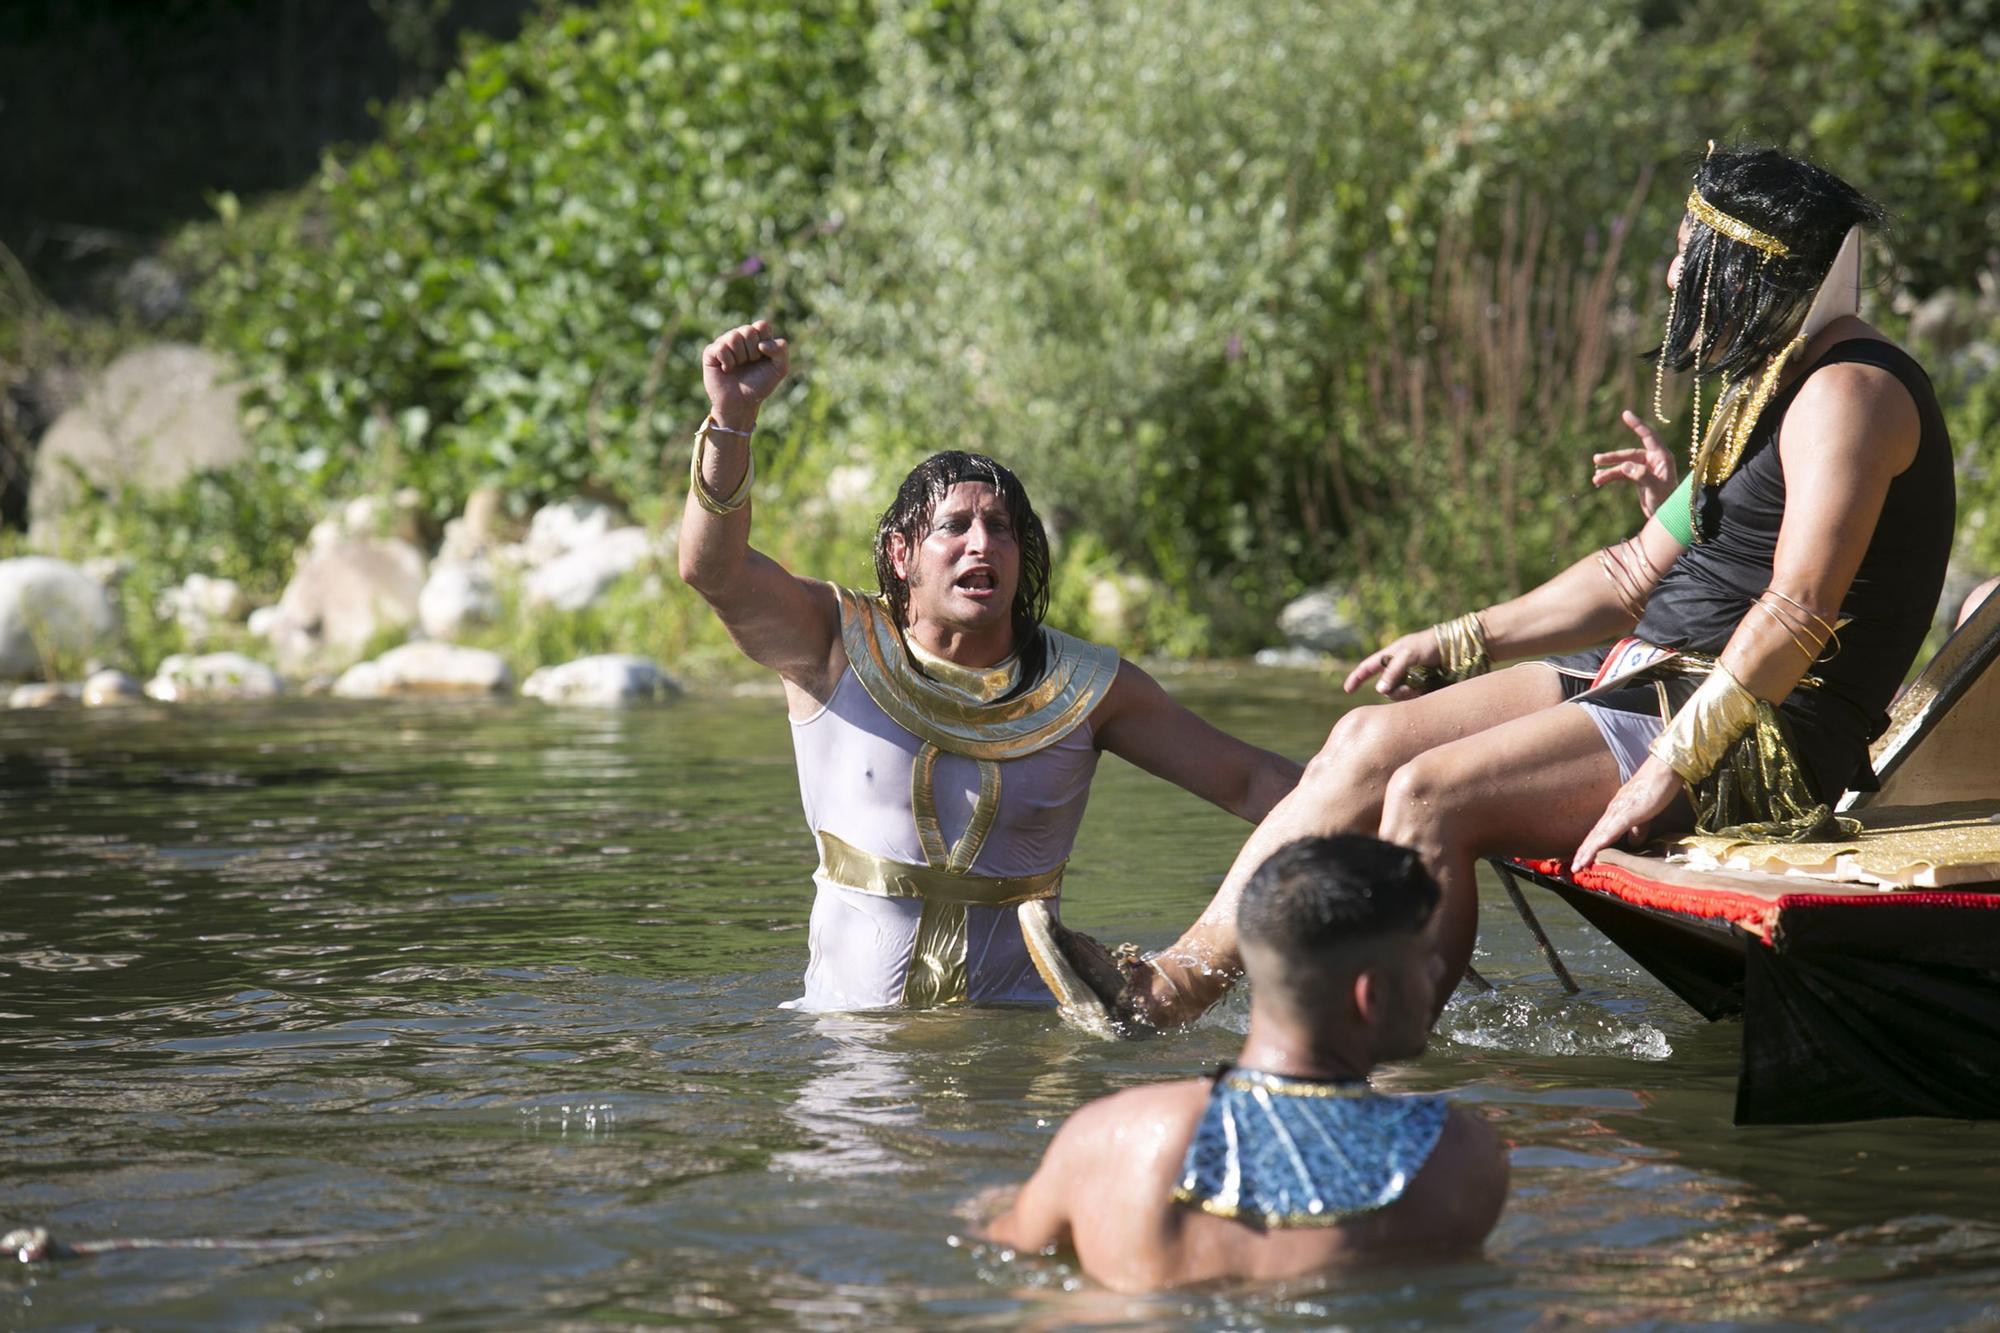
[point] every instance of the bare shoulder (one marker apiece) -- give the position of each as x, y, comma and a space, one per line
1132, 690
1131, 1134
1458, 1196
810, 676
1150, 1105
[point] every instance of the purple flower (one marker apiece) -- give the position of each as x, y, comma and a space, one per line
1234, 351
752, 264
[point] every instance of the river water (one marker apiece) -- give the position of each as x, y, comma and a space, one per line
497, 989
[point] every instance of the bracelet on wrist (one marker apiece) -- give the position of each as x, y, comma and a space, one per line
1462, 645
706, 498
1704, 728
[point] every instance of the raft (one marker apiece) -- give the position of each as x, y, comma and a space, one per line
1865, 971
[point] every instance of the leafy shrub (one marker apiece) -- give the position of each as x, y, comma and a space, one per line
509, 286
1139, 251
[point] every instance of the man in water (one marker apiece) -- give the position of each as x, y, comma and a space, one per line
945, 738
1287, 1162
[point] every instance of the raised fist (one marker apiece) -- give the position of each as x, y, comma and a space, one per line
741, 368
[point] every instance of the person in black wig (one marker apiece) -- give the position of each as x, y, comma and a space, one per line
1763, 617
946, 738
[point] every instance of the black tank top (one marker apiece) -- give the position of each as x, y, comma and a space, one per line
1889, 607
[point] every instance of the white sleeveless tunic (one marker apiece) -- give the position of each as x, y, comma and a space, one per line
856, 767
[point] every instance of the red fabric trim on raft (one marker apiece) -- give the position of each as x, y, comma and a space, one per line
1986, 898
1742, 909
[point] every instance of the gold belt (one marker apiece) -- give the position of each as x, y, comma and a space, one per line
938, 959
864, 872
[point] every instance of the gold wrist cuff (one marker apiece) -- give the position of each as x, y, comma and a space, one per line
1462, 645
1706, 726
702, 495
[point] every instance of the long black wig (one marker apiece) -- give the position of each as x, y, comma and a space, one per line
910, 514
1756, 302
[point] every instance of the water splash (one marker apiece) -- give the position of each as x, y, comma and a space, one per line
1525, 1023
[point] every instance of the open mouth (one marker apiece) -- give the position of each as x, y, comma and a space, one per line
977, 583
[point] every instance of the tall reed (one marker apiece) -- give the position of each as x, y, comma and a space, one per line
1465, 478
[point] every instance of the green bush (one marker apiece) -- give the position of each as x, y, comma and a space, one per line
1253, 296
510, 285
1899, 96
1139, 252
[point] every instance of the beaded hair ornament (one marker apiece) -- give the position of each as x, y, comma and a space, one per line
1714, 453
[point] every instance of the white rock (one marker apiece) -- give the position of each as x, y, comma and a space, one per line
366, 517
1321, 620
342, 597
1116, 605
1291, 656
852, 484
262, 620
107, 689
184, 678
426, 668
108, 571
573, 581
49, 610
611, 680
565, 526
475, 533
457, 595
39, 695
202, 603
155, 416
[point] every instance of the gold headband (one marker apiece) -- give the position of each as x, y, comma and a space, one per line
1733, 228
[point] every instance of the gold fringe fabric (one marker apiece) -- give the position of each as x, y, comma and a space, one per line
1757, 793
1899, 847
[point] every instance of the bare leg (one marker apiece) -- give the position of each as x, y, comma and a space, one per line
1342, 791
1531, 787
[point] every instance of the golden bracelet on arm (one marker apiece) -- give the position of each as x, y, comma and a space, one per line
1630, 587
1462, 645
1792, 632
702, 495
1706, 726
1828, 631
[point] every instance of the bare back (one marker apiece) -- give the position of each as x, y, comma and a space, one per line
1106, 1188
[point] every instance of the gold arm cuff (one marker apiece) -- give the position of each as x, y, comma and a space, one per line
1706, 725
864, 872
705, 497
1462, 645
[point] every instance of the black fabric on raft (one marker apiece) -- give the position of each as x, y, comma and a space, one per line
1860, 1012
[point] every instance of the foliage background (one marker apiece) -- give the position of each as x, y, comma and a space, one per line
1254, 297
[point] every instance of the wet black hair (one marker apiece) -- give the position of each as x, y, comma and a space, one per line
1755, 304
910, 514
1320, 894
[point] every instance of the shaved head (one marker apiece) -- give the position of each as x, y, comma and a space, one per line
1320, 911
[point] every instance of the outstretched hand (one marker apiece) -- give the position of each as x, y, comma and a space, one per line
742, 368
1644, 798
1650, 467
1393, 663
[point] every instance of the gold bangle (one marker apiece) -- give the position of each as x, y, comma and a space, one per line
1812, 654
1462, 645
702, 495
1706, 726
1622, 580
1828, 633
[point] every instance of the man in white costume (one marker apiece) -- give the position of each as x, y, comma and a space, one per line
945, 738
